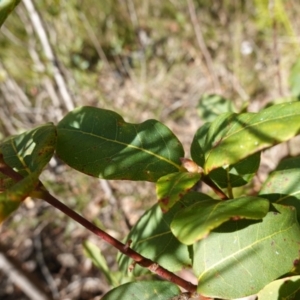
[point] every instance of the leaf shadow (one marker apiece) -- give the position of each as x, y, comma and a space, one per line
100, 143
153, 239
225, 137
289, 289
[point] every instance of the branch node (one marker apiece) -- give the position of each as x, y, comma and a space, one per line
127, 245
153, 267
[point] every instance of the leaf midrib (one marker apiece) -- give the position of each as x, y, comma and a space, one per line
124, 144
241, 250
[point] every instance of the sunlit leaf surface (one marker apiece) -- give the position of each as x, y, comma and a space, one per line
228, 176
172, 187
100, 143
232, 137
240, 257
196, 221
6, 7
283, 184
30, 151
26, 153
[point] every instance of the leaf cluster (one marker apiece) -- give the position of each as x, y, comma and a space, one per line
236, 246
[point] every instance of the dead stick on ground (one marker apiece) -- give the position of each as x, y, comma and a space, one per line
49, 53
202, 46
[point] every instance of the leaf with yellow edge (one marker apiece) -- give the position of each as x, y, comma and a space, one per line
285, 289
239, 258
13, 196
232, 137
204, 216
172, 187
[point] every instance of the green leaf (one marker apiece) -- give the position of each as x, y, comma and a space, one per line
211, 106
201, 143
143, 290
172, 187
6, 7
285, 288
5, 182
198, 145
204, 216
282, 185
11, 198
294, 79
151, 237
100, 143
237, 174
231, 138
30, 151
93, 252
27, 153
240, 257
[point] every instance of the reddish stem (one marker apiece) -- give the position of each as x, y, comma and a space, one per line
215, 188
123, 248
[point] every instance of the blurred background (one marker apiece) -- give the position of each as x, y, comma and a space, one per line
181, 62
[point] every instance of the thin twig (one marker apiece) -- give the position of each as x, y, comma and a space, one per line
93, 37
275, 47
132, 13
202, 46
56, 111
37, 241
215, 188
25, 281
49, 53
42, 193
229, 187
138, 258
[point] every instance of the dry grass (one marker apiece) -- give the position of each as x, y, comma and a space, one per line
141, 59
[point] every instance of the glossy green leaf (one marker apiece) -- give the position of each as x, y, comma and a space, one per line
143, 290
285, 288
152, 237
237, 174
11, 198
6, 7
294, 79
100, 143
204, 216
26, 153
30, 151
211, 106
200, 145
94, 253
231, 138
239, 258
283, 184
232, 176
172, 187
